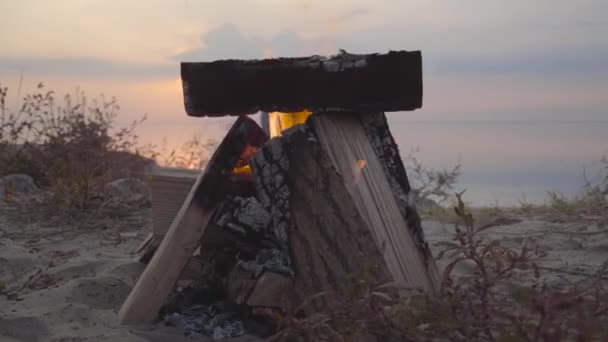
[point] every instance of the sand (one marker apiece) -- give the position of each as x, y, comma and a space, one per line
66, 283
572, 251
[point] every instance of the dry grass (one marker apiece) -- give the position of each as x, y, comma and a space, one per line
429, 183
506, 298
72, 148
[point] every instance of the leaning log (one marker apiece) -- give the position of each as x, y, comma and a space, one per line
345, 82
182, 238
343, 137
327, 242
387, 151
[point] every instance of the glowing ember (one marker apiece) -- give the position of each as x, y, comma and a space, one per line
242, 166
242, 170
278, 123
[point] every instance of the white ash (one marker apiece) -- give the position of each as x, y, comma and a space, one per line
270, 167
274, 192
244, 214
216, 321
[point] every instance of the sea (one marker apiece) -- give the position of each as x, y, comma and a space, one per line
504, 163
510, 163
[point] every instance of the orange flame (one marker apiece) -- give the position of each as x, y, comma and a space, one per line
278, 123
358, 169
282, 121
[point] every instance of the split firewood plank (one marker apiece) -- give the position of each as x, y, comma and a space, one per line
331, 246
380, 136
346, 142
182, 238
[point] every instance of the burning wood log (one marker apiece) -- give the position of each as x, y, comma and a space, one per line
344, 138
320, 207
335, 213
348, 82
323, 237
182, 239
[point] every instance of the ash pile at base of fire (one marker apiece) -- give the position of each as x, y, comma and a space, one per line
248, 218
222, 288
217, 320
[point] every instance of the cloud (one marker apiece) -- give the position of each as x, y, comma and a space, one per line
222, 43
353, 13
228, 42
440, 62
583, 60
88, 67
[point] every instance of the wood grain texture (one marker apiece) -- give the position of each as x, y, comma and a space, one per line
332, 246
379, 134
345, 140
182, 238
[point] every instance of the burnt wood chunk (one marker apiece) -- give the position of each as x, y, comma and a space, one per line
182, 238
345, 82
333, 246
330, 245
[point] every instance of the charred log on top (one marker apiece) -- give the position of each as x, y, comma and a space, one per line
345, 82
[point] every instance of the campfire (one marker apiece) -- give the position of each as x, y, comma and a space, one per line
312, 200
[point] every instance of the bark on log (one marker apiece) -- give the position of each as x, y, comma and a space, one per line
182, 238
330, 245
383, 143
366, 83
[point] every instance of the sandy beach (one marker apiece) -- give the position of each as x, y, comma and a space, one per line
64, 284
67, 283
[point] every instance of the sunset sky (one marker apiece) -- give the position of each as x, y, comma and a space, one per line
483, 60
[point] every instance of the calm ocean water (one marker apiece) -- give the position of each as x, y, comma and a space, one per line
506, 162
503, 162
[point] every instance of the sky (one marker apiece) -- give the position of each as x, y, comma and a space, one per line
483, 60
